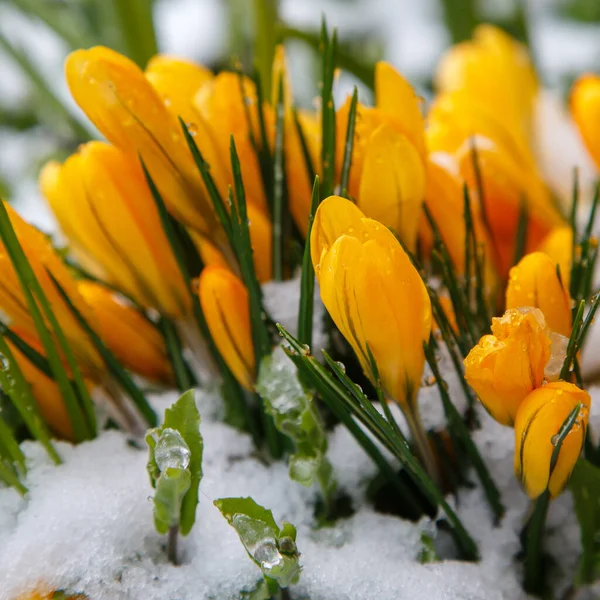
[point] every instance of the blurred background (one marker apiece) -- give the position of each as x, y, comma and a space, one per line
38, 120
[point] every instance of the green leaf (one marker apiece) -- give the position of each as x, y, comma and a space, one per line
80, 409
348, 146
307, 279
427, 554
112, 363
328, 49
16, 387
295, 415
585, 485
171, 488
359, 406
184, 417
272, 550
279, 188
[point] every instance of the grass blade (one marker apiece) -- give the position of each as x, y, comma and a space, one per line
16, 387
83, 418
112, 363
307, 280
328, 49
348, 146
279, 189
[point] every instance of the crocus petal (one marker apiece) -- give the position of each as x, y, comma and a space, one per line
537, 424
585, 108
129, 335
224, 301
535, 282
397, 99
392, 186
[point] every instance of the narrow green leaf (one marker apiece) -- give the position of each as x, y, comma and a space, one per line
310, 169
349, 145
279, 188
11, 479
521, 237
183, 376
111, 361
572, 345
462, 436
83, 419
307, 280
328, 49
16, 387
386, 434
9, 447
585, 485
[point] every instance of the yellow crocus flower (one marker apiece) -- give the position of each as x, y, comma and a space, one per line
225, 104
44, 260
537, 424
367, 284
224, 301
558, 245
534, 281
119, 99
387, 176
496, 70
177, 80
299, 187
44, 389
104, 206
585, 109
135, 342
506, 366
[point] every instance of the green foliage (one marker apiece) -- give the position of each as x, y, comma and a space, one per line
296, 416
585, 485
272, 549
175, 465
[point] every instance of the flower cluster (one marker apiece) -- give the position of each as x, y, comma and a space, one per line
372, 247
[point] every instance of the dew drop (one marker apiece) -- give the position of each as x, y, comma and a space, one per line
192, 128
554, 440
171, 451
4, 363
341, 366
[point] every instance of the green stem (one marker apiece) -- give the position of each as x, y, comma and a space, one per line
422, 446
136, 26
265, 38
533, 545
180, 370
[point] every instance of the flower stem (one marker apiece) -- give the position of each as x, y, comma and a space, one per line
265, 37
534, 531
419, 437
172, 544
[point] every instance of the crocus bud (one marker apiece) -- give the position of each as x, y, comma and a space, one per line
104, 206
387, 176
135, 341
496, 70
506, 366
224, 301
537, 425
119, 99
367, 284
228, 105
585, 108
534, 281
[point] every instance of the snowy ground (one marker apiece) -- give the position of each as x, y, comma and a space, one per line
87, 526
